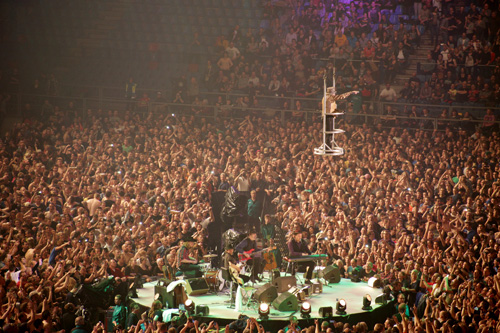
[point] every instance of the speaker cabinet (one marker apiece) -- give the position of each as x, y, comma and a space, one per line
266, 293
197, 286
331, 274
165, 298
284, 283
202, 310
286, 302
173, 299
326, 312
382, 299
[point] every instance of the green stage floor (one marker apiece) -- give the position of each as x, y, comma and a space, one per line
219, 305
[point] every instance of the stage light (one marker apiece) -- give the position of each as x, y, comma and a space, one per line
355, 275
264, 311
367, 302
305, 310
326, 312
374, 282
341, 306
190, 306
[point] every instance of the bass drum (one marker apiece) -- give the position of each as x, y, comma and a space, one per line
211, 276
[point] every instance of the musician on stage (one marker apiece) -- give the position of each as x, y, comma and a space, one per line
245, 248
230, 262
185, 262
298, 248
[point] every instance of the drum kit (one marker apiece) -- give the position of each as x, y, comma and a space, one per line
212, 275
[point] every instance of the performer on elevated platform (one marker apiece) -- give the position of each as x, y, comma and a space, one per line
329, 113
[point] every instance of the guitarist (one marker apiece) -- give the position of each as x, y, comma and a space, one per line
231, 264
245, 248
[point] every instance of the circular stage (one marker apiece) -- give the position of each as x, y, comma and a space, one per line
220, 309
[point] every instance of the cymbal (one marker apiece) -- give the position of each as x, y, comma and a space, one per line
210, 256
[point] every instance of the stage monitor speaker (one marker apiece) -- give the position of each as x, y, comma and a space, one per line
202, 310
381, 299
286, 302
164, 297
284, 283
197, 286
326, 312
332, 274
173, 299
266, 293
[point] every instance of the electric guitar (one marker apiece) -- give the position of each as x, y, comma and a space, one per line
251, 253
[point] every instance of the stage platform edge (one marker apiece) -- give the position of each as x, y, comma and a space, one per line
352, 292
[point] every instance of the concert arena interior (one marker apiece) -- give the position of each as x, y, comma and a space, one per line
275, 166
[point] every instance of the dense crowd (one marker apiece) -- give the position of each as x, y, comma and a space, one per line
368, 43
114, 193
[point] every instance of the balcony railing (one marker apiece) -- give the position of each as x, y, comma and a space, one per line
215, 113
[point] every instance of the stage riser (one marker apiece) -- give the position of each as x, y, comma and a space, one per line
350, 291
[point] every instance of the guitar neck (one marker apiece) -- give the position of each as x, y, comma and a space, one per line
251, 253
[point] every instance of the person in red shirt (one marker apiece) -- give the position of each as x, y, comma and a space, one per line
473, 95
488, 125
369, 50
143, 103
